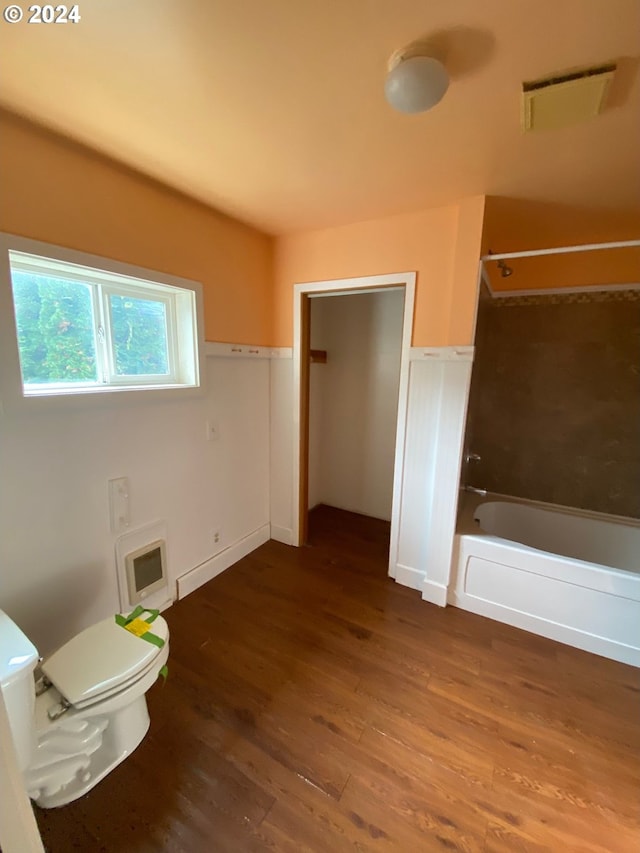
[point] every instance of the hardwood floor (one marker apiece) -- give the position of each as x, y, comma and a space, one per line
314, 705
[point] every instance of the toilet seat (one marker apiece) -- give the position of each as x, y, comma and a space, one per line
102, 660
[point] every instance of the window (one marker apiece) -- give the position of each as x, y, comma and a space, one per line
82, 329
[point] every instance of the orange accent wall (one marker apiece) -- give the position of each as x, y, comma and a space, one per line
581, 269
59, 192
464, 291
513, 225
442, 245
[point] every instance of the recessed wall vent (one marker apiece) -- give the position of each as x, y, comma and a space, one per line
565, 99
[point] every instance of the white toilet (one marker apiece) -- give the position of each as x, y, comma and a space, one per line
90, 711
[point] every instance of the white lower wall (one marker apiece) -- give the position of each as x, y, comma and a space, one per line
436, 412
57, 552
417, 491
444, 468
281, 448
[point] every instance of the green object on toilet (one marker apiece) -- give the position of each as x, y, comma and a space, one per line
139, 627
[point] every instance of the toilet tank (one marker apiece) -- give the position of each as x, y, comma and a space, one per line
18, 659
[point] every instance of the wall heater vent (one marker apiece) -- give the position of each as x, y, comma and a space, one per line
146, 570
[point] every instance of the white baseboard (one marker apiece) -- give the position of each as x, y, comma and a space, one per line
406, 576
436, 593
216, 565
282, 534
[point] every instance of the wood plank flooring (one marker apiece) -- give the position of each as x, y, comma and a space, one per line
314, 705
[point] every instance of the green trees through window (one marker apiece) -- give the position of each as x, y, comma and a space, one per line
88, 329
139, 334
55, 326
57, 332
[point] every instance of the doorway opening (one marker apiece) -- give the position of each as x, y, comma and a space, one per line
395, 286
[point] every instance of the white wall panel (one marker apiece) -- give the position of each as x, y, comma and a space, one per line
56, 549
438, 389
417, 470
281, 449
455, 376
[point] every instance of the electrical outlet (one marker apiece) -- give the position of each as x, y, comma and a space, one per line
216, 537
213, 431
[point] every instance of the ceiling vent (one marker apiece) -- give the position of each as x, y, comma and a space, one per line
565, 99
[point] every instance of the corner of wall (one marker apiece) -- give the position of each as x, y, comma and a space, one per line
467, 252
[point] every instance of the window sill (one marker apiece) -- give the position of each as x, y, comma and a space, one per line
104, 389
17, 405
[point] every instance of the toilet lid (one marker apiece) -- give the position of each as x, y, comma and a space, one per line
100, 658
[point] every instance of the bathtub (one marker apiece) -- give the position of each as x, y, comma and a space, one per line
565, 574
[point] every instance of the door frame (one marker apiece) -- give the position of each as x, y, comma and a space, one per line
301, 330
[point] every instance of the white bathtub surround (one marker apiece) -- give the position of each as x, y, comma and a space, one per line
564, 574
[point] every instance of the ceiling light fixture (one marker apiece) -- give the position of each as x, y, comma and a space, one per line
415, 83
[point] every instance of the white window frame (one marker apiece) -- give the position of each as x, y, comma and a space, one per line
107, 345
184, 324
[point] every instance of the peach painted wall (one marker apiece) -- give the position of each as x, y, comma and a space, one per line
464, 290
582, 269
59, 192
442, 245
513, 225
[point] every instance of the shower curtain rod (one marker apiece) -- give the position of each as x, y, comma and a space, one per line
622, 244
